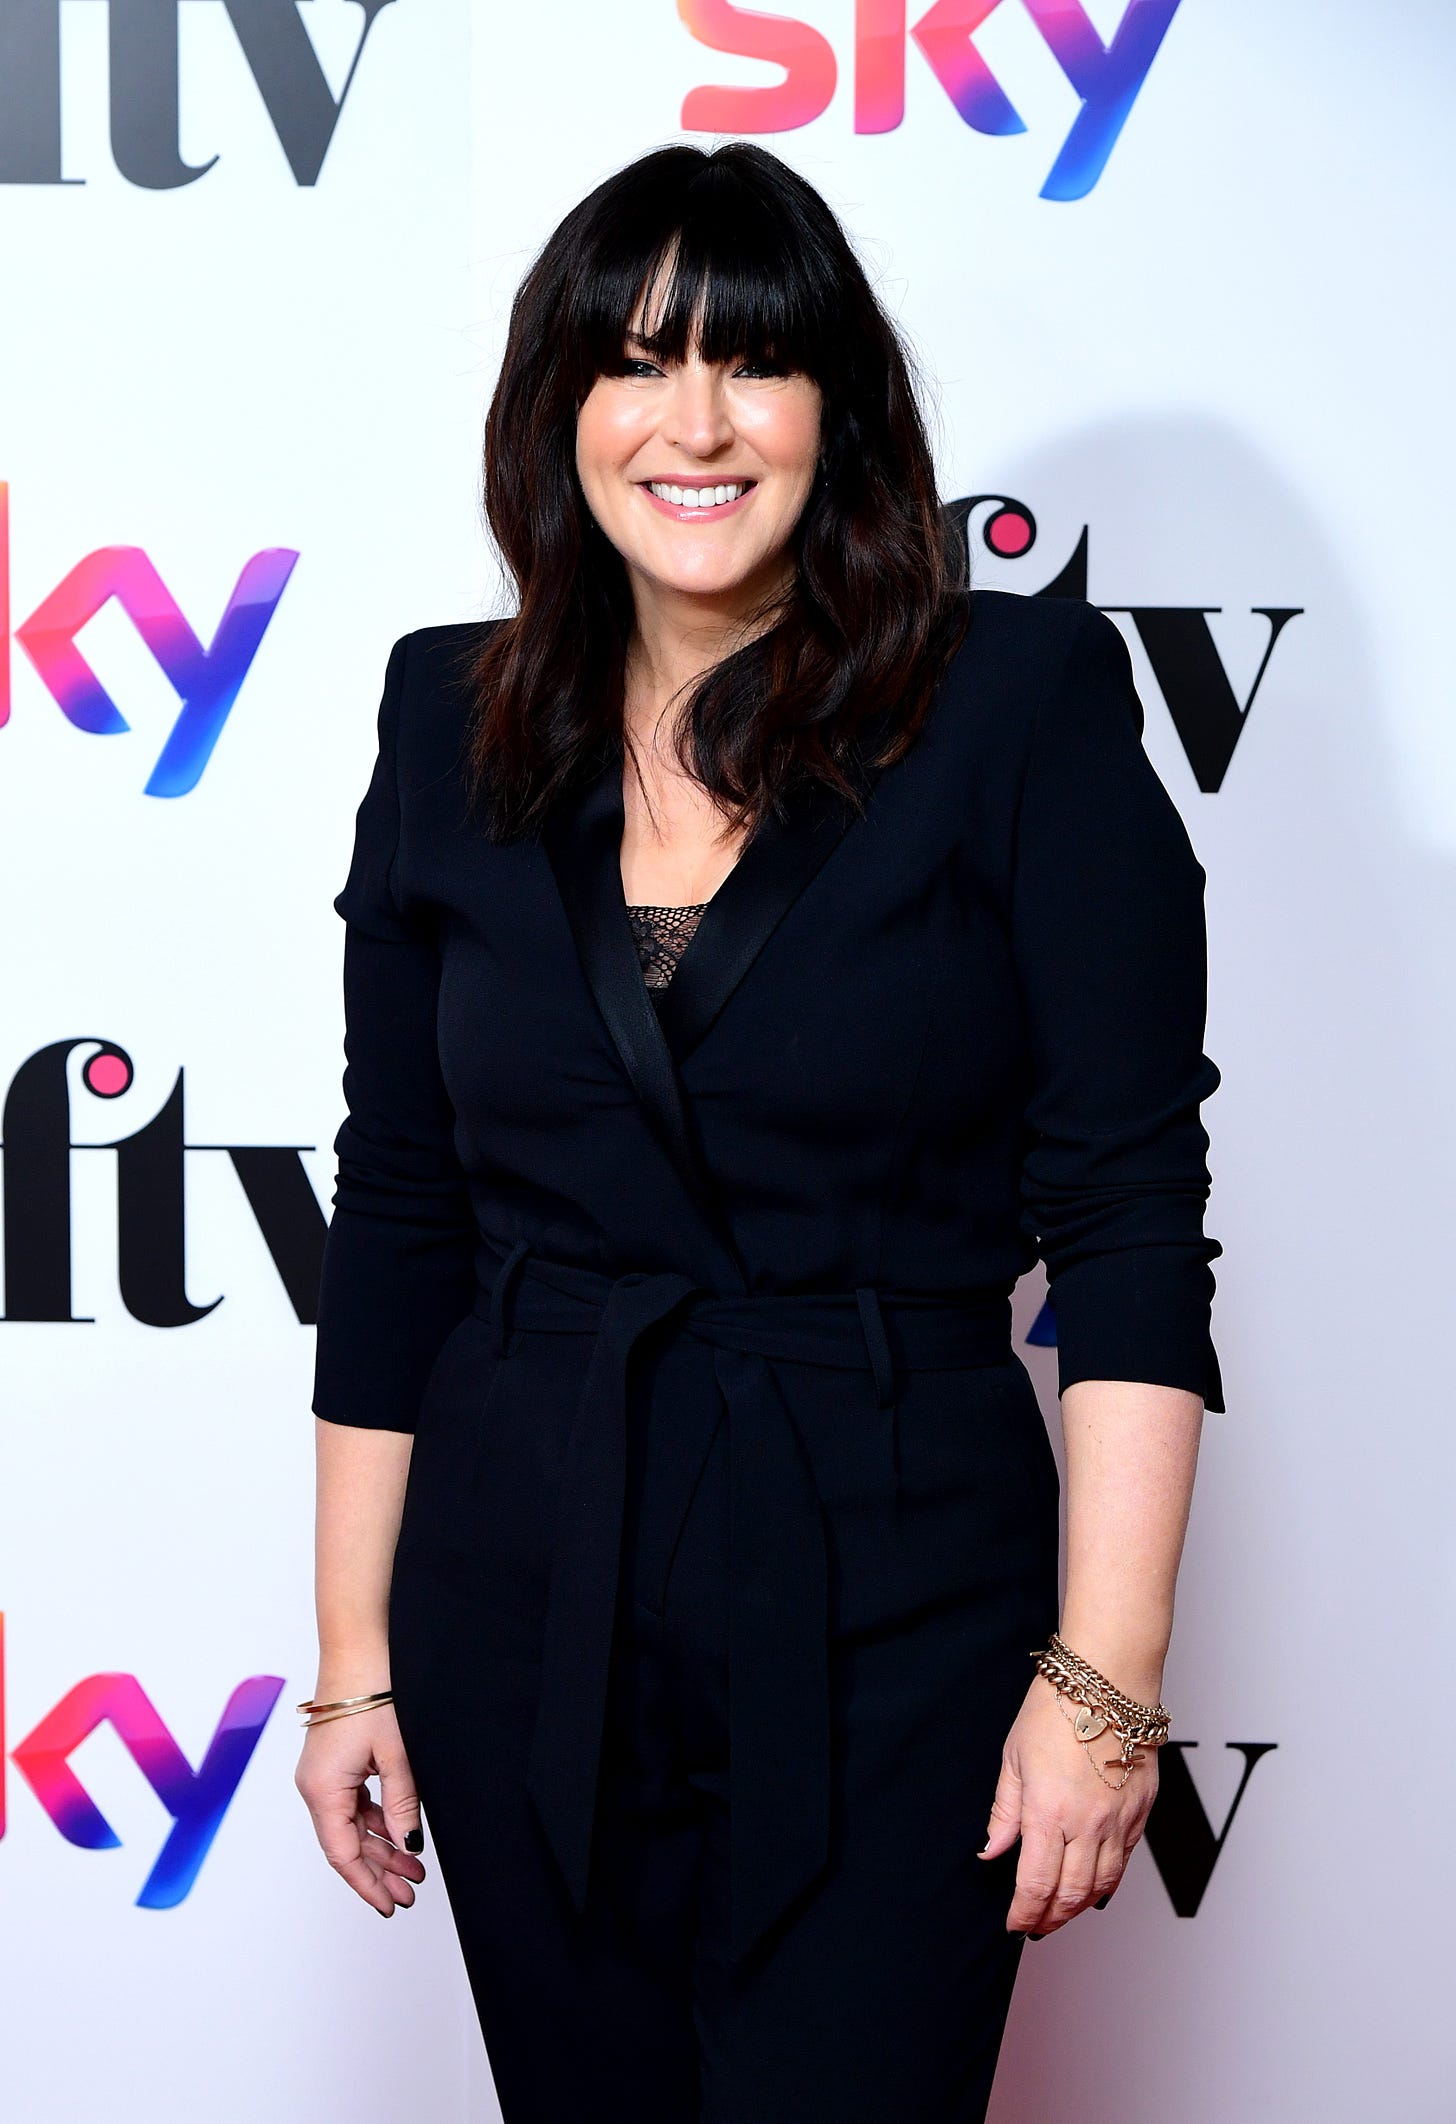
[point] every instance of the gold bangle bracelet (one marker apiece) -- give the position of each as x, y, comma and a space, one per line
343, 1702
324, 1718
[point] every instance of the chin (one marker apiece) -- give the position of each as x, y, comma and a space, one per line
702, 583
726, 588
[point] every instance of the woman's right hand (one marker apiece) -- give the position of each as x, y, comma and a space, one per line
362, 1838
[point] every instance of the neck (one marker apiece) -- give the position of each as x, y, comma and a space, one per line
678, 636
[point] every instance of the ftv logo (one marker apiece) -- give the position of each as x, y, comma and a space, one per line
196, 1799
205, 677
1106, 77
1206, 709
145, 114
151, 1245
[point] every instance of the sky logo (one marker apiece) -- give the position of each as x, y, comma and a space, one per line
206, 677
1106, 77
196, 1799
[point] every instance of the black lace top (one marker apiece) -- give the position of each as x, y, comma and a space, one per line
663, 935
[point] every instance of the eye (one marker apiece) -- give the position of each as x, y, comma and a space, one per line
760, 368
635, 365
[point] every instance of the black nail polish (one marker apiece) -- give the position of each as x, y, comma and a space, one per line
1036, 1935
414, 1840
1103, 1901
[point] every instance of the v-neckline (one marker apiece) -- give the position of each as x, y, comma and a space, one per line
583, 840
664, 906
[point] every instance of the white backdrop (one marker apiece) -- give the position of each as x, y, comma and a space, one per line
1227, 363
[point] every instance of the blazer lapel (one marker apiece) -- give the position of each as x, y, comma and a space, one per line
583, 843
784, 854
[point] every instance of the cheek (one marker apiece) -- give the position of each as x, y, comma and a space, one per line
786, 435
606, 437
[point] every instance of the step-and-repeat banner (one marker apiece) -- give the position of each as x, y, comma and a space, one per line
1177, 270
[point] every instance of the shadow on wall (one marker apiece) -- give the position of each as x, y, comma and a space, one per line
1332, 1162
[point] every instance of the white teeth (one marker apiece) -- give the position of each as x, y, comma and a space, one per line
698, 497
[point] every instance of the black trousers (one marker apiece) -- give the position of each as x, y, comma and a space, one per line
883, 1998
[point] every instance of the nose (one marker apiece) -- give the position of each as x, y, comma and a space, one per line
695, 415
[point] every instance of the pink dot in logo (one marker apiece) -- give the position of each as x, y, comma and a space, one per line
1009, 532
107, 1075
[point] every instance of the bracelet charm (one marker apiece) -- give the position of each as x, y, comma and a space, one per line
1101, 1706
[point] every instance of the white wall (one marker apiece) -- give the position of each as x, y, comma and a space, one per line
1228, 361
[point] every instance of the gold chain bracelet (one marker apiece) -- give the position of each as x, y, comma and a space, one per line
1102, 1705
344, 1707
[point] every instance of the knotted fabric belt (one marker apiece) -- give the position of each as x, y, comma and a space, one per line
778, 1658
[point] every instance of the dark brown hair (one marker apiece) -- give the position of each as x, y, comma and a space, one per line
741, 253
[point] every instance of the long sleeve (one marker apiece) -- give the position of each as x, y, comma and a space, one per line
1111, 947
397, 1269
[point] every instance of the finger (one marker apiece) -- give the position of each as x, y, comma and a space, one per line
1074, 1890
1004, 1823
1132, 1830
1111, 1865
399, 1799
389, 1865
382, 1848
1037, 1874
341, 1839
393, 1885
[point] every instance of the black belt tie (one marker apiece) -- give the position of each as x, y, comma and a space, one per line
778, 1672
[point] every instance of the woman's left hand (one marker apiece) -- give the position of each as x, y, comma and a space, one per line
1076, 1832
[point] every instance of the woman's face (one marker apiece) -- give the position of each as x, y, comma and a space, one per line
658, 443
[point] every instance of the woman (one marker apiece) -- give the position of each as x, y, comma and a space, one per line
759, 948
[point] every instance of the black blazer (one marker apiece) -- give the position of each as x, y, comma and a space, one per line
903, 1055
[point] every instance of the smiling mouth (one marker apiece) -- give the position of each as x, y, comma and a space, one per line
721, 495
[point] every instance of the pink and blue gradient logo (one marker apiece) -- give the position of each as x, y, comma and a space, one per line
1107, 77
206, 677
196, 1799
